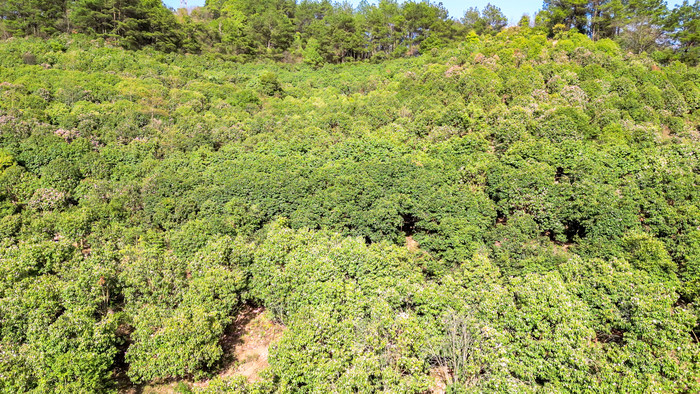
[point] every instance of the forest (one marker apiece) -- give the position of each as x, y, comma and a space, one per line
321, 31
416, 203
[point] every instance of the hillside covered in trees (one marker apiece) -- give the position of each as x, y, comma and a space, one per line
461, 206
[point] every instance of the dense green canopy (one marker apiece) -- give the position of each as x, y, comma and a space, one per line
547, 190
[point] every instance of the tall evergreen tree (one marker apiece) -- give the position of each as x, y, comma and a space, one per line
683, 26
573, 14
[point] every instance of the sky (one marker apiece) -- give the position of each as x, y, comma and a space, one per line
513, 9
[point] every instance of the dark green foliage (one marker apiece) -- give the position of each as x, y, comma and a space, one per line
319, 32
490, 21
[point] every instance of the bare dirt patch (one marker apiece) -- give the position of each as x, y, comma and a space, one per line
441, 377
412, 244
666, 133
246, 345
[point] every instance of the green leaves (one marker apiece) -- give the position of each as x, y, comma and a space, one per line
269, 85
184, 342
521, 212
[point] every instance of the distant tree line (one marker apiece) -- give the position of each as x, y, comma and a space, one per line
638, 25
320, 32
136, 23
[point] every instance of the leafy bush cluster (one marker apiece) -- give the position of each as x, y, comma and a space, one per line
550, 186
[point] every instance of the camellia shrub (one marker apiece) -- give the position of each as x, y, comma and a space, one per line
499, 213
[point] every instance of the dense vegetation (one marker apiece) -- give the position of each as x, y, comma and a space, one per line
321, 31
551, 186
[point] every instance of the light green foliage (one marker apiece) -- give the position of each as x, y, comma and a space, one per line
298, 269
75, 353
269, 85
521, 213
690, 249
340, 295
6, 160
649, 254
181, 313
638, 314
162, 349
311, 53
550, 330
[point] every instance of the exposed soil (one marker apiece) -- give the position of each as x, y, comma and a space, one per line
666, 133
442, 376
246, 345
412, 244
